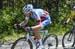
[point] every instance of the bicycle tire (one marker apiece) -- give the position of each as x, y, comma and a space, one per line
51, 35
29, 42
63, 44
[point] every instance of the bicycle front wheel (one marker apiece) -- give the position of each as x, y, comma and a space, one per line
51, 41
21, 43
68, 39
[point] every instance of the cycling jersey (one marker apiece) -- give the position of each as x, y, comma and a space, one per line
41, 15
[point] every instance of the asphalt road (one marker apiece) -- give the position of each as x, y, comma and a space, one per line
8, 45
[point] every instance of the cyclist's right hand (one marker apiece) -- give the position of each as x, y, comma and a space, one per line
65, 23
17, 26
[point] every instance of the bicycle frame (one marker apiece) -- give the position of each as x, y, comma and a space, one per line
30, 40
44, 34
70, 35
29, 37
73, 33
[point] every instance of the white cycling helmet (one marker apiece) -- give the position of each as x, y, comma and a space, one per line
27, 8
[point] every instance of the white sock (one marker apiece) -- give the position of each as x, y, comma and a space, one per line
40, 41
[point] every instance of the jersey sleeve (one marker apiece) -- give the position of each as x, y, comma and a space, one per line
37, 17
23, 23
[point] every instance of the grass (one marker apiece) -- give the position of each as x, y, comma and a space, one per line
12, 37
58, 29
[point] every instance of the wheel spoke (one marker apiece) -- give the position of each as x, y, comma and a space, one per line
51, 42
68, 40
21, 44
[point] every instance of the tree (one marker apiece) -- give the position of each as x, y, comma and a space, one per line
1, 4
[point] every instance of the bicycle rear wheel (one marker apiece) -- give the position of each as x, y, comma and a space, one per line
68, 39
51, 41
21, 43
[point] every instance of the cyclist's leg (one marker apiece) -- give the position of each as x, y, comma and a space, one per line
45, 23
37, 28
37, 39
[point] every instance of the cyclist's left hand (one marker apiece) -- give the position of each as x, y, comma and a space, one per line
27, 28
65, 23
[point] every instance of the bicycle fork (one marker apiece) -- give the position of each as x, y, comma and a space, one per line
70, 36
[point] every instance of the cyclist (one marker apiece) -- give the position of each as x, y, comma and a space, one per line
41, 17
72, 14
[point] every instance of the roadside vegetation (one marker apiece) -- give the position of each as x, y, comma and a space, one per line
10, 15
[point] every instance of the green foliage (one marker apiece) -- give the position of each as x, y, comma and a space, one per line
7, 21
11, 15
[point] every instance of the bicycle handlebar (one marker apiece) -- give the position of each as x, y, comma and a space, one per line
27, 29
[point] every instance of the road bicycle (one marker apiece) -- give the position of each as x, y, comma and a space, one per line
68, 39
27, 42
